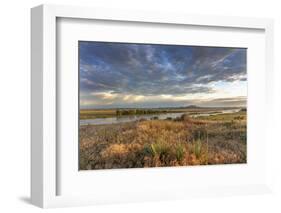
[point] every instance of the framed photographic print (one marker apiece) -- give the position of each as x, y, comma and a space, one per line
151, 105
130, 106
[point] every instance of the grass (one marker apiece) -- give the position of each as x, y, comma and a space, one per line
96, 113
216, 139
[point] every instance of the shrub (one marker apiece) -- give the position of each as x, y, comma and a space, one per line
180, 152
228, 124
197, 148
142, 119
160, 150
243, 137
147, 150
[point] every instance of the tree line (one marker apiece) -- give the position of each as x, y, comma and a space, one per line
120, 112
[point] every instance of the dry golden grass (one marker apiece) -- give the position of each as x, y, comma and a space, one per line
218, 139
96, 113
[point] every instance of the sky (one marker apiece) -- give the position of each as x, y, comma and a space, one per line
117, 75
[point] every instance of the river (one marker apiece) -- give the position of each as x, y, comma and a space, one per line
163, 116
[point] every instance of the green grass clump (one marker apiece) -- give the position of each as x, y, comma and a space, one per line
197, 148
160, 150
180, 152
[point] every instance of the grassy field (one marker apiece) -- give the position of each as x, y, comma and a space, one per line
97, 113
214, 139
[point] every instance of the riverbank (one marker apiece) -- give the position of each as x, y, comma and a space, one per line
109, 113
164, 115
204, 140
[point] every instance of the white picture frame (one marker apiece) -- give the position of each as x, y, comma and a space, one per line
44, 150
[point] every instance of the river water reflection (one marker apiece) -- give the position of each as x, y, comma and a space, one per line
163, 116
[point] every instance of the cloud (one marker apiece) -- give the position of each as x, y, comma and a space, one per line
129, 100
240, 101
153, 70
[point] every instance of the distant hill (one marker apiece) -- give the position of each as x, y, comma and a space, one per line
192, 107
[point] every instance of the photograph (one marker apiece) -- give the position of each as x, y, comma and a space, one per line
145, 105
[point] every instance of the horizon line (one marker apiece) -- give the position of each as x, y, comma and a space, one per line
190, 106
